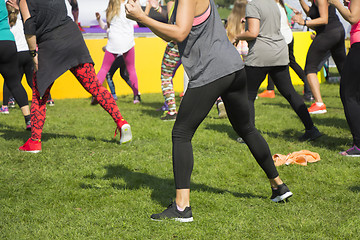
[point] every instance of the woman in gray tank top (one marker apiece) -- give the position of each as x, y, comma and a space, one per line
268, 54
200, 34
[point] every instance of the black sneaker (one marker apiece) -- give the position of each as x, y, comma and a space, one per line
169, 117
11, 103
308, 98
28, 125
171, 213
94, 101
311, 134
281, 193
50, 102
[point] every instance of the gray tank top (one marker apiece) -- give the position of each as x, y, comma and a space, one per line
207, 53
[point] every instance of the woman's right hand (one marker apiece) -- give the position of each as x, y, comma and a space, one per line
298, 18
133, 10
13, 3
154, 3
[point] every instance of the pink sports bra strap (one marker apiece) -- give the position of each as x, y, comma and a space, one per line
202, 18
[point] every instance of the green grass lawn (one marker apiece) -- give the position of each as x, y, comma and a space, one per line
84, 185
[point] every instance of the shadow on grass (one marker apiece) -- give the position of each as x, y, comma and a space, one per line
355, 189
10, 133
223, 128
332, 122
289, 135
162, 189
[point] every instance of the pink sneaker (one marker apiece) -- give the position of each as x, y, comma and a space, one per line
4, 110
137, 99
32, 146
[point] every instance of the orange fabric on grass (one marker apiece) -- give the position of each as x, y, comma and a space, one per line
302, 157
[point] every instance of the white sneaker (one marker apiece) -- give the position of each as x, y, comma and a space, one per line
126, 135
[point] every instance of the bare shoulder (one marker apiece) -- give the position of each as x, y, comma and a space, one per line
201, 6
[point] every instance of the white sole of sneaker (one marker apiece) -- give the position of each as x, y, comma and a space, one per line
126, 135
4, 112
319, 112
35, 151
184, 219
175, 219
341, 153
282, 197
169, 120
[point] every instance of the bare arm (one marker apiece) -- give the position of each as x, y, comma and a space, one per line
305, 7
322, 20
292, 9
252, 32
351, 14
148, 7
102, 24
176, 32
30, 39
157, 7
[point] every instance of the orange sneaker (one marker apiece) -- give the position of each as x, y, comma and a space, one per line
31, 146
316, 109
267, 94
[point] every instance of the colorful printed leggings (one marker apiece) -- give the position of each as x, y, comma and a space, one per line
85, 74
170, 63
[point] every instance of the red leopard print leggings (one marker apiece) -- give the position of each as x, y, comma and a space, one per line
85, 74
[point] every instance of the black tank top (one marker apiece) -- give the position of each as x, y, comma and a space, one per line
333, 19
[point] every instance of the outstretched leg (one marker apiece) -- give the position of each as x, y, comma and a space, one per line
85, 74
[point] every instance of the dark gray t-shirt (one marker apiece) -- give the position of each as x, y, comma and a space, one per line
207, 53
269, 48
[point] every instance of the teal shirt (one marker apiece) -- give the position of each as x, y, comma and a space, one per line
5, 33
289, 13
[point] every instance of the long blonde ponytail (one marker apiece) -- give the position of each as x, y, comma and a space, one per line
113, 9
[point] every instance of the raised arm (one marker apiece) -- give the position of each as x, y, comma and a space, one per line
351, 14
102, 24
177, 32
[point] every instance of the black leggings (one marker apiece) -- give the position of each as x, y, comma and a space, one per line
10, 72
119, 63
332, 40
350, 91
281, 78
26, 66
196, 104
297, 69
